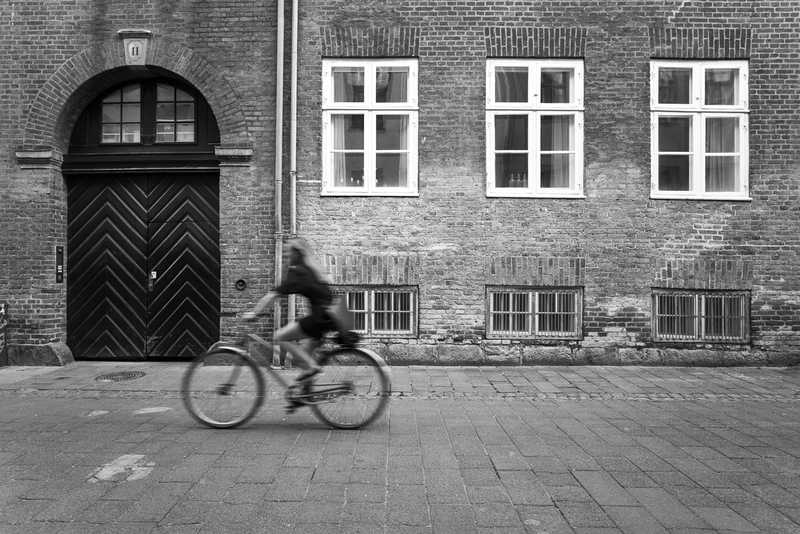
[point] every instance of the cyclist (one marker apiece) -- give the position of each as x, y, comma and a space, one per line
304, 277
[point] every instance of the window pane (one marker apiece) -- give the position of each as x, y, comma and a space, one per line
722, 134
556, 86
113, 97
501, 305
391, 132
511, 84
111, 112
348, 132
520, 317
724, 317
132, 93
183, 96
556, 170
130, 133
674, 134
673, 173
510, 313
165, 93
165, 132
348, 170
674, 85
722, 173
391, 84
356, 303
511, 132
511, 170
722, 87
111, 133
185, 133
348, 84
676, 316
185, 111
391, 170
131, 113
165, 112
557, 132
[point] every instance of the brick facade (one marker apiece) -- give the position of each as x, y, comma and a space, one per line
451, 241
617, 243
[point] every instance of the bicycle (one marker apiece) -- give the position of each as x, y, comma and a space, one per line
224, 387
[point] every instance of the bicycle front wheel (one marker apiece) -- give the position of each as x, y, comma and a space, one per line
354, 390
223, 388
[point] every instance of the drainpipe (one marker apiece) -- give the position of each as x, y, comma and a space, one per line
278, 168
293, 140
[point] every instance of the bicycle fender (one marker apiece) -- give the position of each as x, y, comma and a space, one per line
231, 348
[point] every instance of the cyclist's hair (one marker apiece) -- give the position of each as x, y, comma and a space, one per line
306, 252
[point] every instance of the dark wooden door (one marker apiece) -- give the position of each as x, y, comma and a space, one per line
143, 266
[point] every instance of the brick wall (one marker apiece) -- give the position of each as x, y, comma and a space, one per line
624, 242
55, 58
451, 241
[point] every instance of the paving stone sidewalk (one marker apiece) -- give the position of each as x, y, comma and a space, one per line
588, 450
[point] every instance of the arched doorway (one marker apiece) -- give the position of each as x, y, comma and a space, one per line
143, 224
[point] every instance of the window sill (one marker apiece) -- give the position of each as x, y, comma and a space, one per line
528, 195
529, 339
365, 194
715, 198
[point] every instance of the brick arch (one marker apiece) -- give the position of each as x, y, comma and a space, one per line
82, 78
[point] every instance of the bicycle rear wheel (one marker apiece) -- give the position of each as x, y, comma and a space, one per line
354, 390
223, 388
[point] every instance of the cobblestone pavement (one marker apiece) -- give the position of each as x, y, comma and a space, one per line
552, 450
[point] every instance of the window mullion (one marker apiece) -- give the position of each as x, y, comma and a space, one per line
534, 149
700, 312
697, 158
369, 151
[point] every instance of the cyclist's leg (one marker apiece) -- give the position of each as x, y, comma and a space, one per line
294, 332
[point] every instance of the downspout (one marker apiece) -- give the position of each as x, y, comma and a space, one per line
293, 141
278, 169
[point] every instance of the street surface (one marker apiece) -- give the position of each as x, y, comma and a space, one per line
556, 450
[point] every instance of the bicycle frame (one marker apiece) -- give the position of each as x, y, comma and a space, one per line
307, 398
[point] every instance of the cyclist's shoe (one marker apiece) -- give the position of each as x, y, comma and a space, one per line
276, 367
308, 374
292, 407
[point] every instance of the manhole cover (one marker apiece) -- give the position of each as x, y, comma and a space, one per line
120, 377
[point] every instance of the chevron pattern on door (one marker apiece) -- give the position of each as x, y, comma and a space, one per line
183, 245
107, 258
152, 243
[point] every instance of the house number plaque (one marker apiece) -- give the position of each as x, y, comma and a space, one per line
135, 42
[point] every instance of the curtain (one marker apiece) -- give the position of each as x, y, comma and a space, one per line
557, 145
391, 84
511, 84
721, 87
348, 150
722, 153
348, 84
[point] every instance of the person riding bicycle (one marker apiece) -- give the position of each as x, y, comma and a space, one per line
304, 277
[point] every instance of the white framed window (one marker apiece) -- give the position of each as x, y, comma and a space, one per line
370, 127
534, 128
534, 312
382, 311
706, 316
699, 124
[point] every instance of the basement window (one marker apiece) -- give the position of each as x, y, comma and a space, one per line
706, 316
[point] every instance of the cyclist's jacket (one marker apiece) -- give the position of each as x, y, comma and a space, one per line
301, 280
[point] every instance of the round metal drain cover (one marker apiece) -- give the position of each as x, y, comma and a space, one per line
120, 377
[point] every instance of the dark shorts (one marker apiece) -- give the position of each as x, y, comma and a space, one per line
317, 324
